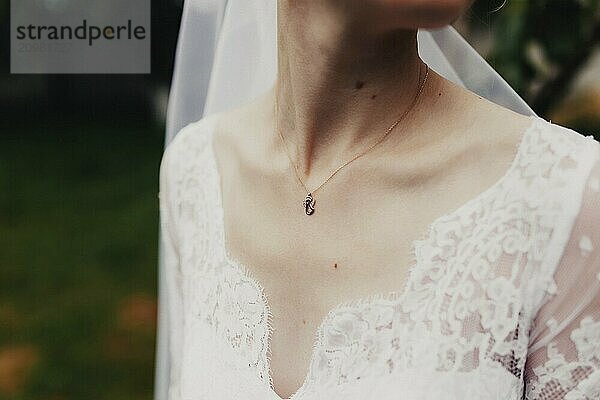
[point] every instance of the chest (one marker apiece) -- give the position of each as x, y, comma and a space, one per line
307, 265
458, 308
452, 302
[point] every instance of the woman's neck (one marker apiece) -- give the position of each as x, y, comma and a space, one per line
339, 85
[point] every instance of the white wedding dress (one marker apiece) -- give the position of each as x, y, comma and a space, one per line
502, 302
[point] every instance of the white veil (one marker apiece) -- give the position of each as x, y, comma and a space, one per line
227, 55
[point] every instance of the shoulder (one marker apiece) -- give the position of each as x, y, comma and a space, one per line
572, 162
556, 165
561, 170
570, 280
184, 162
193, 137
233, 129
588, 211
502, 127
237, 127
558, 161
564, 142
554, 155
188, 147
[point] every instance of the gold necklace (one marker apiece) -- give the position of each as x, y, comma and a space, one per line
309, 202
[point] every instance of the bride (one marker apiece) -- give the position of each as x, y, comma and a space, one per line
367, 228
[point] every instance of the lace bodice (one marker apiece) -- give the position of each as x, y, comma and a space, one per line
503, 301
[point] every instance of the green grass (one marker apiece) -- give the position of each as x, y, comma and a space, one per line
78, 238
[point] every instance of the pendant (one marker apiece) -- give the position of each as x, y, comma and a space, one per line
309, 204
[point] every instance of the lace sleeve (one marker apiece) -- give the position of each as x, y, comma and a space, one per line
563, 360
172, 273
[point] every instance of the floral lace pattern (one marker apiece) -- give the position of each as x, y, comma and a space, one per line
481, 275
578, 379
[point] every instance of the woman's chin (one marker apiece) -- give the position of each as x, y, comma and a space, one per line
415, 14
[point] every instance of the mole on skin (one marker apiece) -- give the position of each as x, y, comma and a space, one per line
335, 265
359, 84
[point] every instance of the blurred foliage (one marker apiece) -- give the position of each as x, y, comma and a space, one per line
541, 45
79, 237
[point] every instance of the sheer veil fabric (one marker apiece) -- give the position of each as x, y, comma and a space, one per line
226, 56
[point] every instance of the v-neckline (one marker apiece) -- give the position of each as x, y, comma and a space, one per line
393, 297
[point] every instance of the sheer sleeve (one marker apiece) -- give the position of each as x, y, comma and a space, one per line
172, 274
563, 360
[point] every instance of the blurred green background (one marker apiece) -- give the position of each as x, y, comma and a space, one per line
79, 158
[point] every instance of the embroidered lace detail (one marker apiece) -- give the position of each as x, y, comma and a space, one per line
481, 274
579, 379
220, 294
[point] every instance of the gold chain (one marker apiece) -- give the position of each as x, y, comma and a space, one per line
309, 202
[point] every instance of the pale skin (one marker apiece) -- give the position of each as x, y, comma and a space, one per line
347, 70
